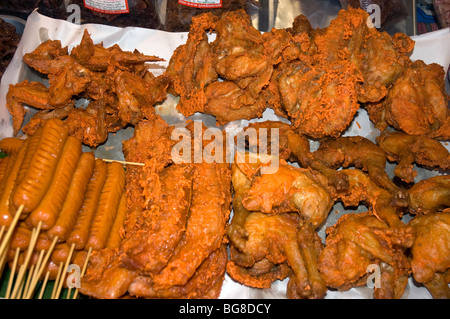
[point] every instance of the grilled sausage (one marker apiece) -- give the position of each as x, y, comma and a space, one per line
114, 235
107, 206
48, 209
75, 196
38, 178
9, 183
80, 232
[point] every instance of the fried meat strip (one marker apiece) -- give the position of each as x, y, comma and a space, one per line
358, 241
429, 195
203, 284
205, 228
409, 149
168, 194
431, 252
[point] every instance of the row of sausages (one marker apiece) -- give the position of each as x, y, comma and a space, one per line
73, 197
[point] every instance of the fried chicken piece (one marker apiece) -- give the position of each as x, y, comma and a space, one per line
40, 117
191, 67
264, 241
362, 189
361, 153
409, 149
429, 195
97, 58
225, 78
268, 136
374, 54
67, 78
42, 58
290, 189
431, 252
228, 102
33, 94
358, 241
259, 275
137, 97
381, 63
89, 124
416, 103
320, 100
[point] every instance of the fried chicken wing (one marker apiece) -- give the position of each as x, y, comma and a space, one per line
358, 241
429, 195
409, 149
42, 58
431, 252
361, 153
97, 58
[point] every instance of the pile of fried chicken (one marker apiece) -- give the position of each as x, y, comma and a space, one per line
190, 223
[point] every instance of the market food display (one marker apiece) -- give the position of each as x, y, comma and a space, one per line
154, 227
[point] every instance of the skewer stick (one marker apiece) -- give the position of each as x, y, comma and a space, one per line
122, 162
30, 289
12, 273
19, 285
28, 281
42, 267
83, 271
2, 230
44, 285
34, 237
55, 286
63, 276
5, 241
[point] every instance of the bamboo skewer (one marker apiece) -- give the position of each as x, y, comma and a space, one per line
83, 271
44, 284
41, 268
11, 274
123, 162
55, 286
63, 276
34, 237
5, 240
